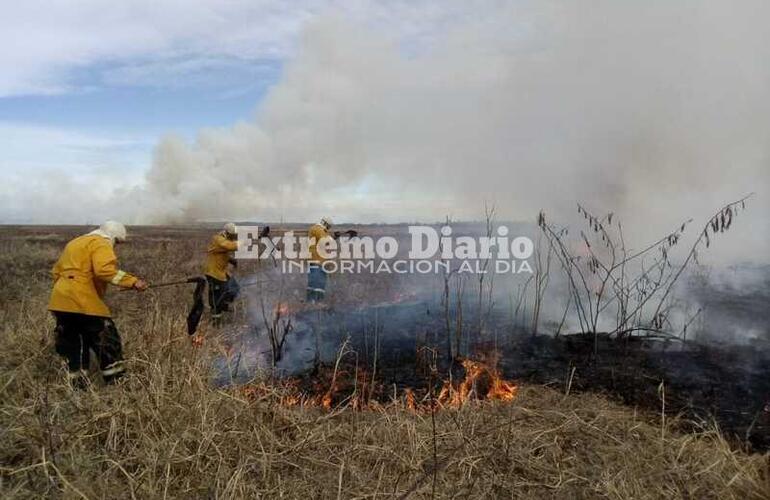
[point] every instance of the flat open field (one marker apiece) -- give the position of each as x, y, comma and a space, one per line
169, 431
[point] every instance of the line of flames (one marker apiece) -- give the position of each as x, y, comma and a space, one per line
451, 395
481, 383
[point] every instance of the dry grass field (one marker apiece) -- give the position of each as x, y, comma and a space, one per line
167, 432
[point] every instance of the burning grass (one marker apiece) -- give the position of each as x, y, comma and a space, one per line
354, 388
168, 432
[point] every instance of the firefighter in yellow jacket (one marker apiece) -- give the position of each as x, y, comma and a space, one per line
223, 288
316, 276
83, 321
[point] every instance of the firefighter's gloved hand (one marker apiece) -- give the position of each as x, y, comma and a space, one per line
140, 285
233, 262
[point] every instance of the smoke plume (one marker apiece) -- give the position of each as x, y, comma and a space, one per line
656, 110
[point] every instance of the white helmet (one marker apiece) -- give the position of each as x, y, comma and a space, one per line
326, 221
112, 230
230, 228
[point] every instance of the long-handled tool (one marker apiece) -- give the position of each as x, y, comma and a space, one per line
196, 311
194, 279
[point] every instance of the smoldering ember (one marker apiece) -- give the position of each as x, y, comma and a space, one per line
427, 249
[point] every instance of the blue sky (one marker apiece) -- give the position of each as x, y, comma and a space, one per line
111, 126
101, 130
230, 94
109, 123
88, 89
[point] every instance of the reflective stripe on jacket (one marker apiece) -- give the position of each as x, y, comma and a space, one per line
85, 267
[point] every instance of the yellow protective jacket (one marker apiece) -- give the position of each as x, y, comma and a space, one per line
317, 232
219, 253
85, 267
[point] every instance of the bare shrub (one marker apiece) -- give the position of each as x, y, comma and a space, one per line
605, 279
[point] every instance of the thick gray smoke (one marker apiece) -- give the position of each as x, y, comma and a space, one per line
658, 110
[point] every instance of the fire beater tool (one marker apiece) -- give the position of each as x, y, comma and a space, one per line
196, 311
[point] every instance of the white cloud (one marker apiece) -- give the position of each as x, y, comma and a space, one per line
40, 41
32, 149
59, 175
43, 41
191, 72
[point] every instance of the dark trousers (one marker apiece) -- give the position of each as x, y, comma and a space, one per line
222, 294
79, 334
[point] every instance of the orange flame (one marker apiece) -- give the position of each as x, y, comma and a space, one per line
482, 382
409, 396
326, 401
291, 400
